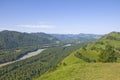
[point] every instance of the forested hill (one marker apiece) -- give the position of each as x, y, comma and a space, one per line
112, 39
13, 39
44, 35
107, 48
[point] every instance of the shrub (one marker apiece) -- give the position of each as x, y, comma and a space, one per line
108, 55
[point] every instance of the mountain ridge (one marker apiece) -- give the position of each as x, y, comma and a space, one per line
13, 39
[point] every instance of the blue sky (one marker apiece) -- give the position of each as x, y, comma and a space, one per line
60, 16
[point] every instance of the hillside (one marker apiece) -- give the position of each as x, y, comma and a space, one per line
91, 52
94, 71
73, 68
46, 37
83, 64
112, 39
13, 39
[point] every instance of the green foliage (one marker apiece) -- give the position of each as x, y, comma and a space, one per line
112, 39
84, 58
108, 55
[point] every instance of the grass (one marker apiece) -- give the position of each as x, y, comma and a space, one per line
86, 71
77, 69
71, 59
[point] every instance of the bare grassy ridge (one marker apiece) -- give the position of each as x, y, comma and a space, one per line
89, 71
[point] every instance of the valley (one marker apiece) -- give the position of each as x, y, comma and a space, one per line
87, 60
22, 67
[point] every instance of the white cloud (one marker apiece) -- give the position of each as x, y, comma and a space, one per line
38, 26
30, 28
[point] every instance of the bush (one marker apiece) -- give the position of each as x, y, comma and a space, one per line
108, 55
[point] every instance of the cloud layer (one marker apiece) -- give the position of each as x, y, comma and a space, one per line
40, 26
29, 28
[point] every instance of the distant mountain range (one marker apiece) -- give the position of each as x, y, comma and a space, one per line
72, 38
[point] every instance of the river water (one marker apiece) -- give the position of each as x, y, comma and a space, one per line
28, 55
67, 45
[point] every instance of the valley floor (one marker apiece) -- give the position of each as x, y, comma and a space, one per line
85, 71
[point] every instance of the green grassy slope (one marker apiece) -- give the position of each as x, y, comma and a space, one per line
112, 39
75, 68
89, 71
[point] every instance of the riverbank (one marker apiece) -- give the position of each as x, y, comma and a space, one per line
28, 55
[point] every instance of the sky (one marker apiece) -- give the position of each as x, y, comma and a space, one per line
60, 16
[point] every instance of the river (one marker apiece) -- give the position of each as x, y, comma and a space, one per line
67, 45
28, 55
